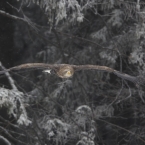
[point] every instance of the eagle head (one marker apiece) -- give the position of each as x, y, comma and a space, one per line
65, 71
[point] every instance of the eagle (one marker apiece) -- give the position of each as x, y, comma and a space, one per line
68, 70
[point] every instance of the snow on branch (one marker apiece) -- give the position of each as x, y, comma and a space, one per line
74, 10
83, 116
58, 10
55, 129
12, 100
84, 109
104, 111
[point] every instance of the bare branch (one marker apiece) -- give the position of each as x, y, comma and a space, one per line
5, 140
11, 81
8, 122
10, 136
25, 19
12, 16
130, 132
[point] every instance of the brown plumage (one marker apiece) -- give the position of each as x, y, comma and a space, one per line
67, 70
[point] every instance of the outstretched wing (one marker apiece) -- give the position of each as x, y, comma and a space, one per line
33, 65
92, 67
136, 80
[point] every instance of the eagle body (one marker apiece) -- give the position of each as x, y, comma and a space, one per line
65, 71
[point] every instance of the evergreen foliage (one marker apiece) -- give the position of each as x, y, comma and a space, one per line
91, 108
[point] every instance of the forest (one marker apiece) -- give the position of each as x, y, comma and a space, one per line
72, 72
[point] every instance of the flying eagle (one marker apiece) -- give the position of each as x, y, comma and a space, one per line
67, 70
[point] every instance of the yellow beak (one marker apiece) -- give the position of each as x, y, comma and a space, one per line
68, 73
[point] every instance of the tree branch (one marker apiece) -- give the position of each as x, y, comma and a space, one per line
5, 140
10, 136
11, 81
12, 16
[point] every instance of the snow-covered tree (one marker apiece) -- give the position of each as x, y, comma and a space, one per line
91, 108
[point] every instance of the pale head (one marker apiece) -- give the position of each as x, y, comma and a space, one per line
65, 71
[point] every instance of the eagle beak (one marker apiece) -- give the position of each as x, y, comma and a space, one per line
68, 73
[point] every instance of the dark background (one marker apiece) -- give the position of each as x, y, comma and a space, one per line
117, 106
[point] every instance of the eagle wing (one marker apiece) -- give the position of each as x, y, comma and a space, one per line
136, 80
34, 65
92, 67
